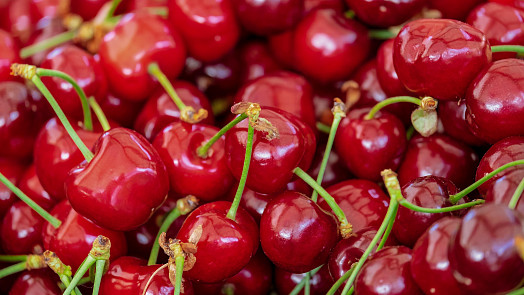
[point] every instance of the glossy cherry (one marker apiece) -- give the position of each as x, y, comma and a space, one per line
225, 246
119, 110
36, 282
454, 9
296, 234
31, 186
209, 28
369, 146
253, 202
431, 53
438, 155
123, 196
8, 55
13, 171
386, 73
388, 269
385, 13
495, 123
478, 264
268, 17
257, 60
452, 114
137, 41
254, 279
273, 161
286, 281
430, 266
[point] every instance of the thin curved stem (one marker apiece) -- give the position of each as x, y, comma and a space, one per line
416, 208
12, 269
519, 49
340, 281
111, 12
102, 119
179, 263
47, 44
88, 262
323, 127
202, 151
170, 218
155, 71
516, 195
381, 34
302, 283
389, 101
388, 229
66, 280
13, 258
100, 265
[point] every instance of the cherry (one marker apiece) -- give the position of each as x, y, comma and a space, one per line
282, 48
283, 90
87, 9
52, 29
370, 145
311, 5
493, 124
209, 28
323, 101
36, 282
20, 22
268, 17
479, 265
438, 155
160, 284
514, 3
13, 171
8, 55
119, 197
254, 278
388, 269
320, 283
385, 13
83, 68
430, 53
296, 234
137, 41
257, 60
340, 37
137, 5
386, 73
335, 170
454, 9
119, 110
253, 202
452, 114
160, 110
31, 186
430, 266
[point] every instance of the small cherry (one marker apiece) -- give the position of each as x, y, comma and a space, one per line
21, 230
36, 282
286, 281
268, 17
385, 13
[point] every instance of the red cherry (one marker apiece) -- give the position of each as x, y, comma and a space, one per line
31, 186
225, 246
253, 202
282, 47
123, 196
320, 283
44, 9
385, 13
257, 60
452, 114
119, 110
311, 5
53, 27
515, 3
20, 23
430, 53
21, 230
13, 171
36, 282
386, 73
454, 9
8, 55
87, 9
254, 279
137, 41
268, 17
160, 284
209, 27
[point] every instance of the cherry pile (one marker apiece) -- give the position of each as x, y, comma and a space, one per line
261, 147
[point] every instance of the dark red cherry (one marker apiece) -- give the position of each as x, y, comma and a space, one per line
369, 146
323, 96
13, 171
502, 190
283, 90
257, 60
285, 281
73, 240
254, 279
31, 186
82, 67
21, 230
322, 42
206, 178
311, 5
507, 118
483, 253
209, 27
454, 9
268, 17
160, 284
55, 154
452, 114
36, 282
87, 9
8, 55
282, 48
386, 73
431, 53
388, 269
430, 263
253, 202
385, 13
296, 234
363, 202
225, 246
137, 41
119, 110
160, 110
438, 155
122, 196
335, 170
427, 192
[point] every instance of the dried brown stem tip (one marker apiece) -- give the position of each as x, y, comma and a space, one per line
35, 262
352, 90
428, 103
252, 110
54, 263
23, 70
339, 107
187, 204
189, 115
101, 248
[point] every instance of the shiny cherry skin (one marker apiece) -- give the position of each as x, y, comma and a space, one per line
335, 170
430, 266
438, 155
427, 192
370, 146
206, 178
385, 13
282, 48
8, 55
283, 90
31, 186
311, 5
160, 110
122, 111
253, 202
272, 161
363, 202
257, 60
388, 269
55, 154
507, 119
225, 246
21, 230
209, 28
36, 282
430, 53
515, 3
452, 114
341, 37
12, 170
454, 9
73, 240
254, 279
83, 68
286, 281
386, 73
268, 17
137, 41
478, 264
296, 234
124, 196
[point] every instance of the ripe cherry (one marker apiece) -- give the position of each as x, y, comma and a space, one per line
385, 13
268, 17
36, 282
257, 60
452, 114
454, 9
8, 55
13, 171
254, 279
286, 281
31, 186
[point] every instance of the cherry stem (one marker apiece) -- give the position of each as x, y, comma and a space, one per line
456, 197
307, 285
156, 72
349, 14
102, 119
31, 262
100, 265
63, 271
381, 34
388, 229
416, 208
516, 195
160, 11
29, 202
47, 44
340, 281
179, 263
12, 269
410, 131
245, 169
519, 49
323, 127
389, 101
345, 226
517, 292
13, 258
88, 120
302, 283
114, 6
202, 151
84, 267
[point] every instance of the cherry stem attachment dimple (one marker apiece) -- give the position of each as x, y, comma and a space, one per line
302, 283
391, 100
519, 49
516, 195
203, 150
47, 44
102, 119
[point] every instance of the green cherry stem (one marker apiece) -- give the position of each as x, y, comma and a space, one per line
389, 101
47, 44
302, 283
456, 197
519, 49
88, 120
13, 258
81, 282
22, 196
323, 127
63, 271
416, 208
203, 150
340, 281
12, 269
517, 292
381, 34
389, 228
31, 262
111, 12
102, 119
179, 266
516, 195
307, 285
100, 266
